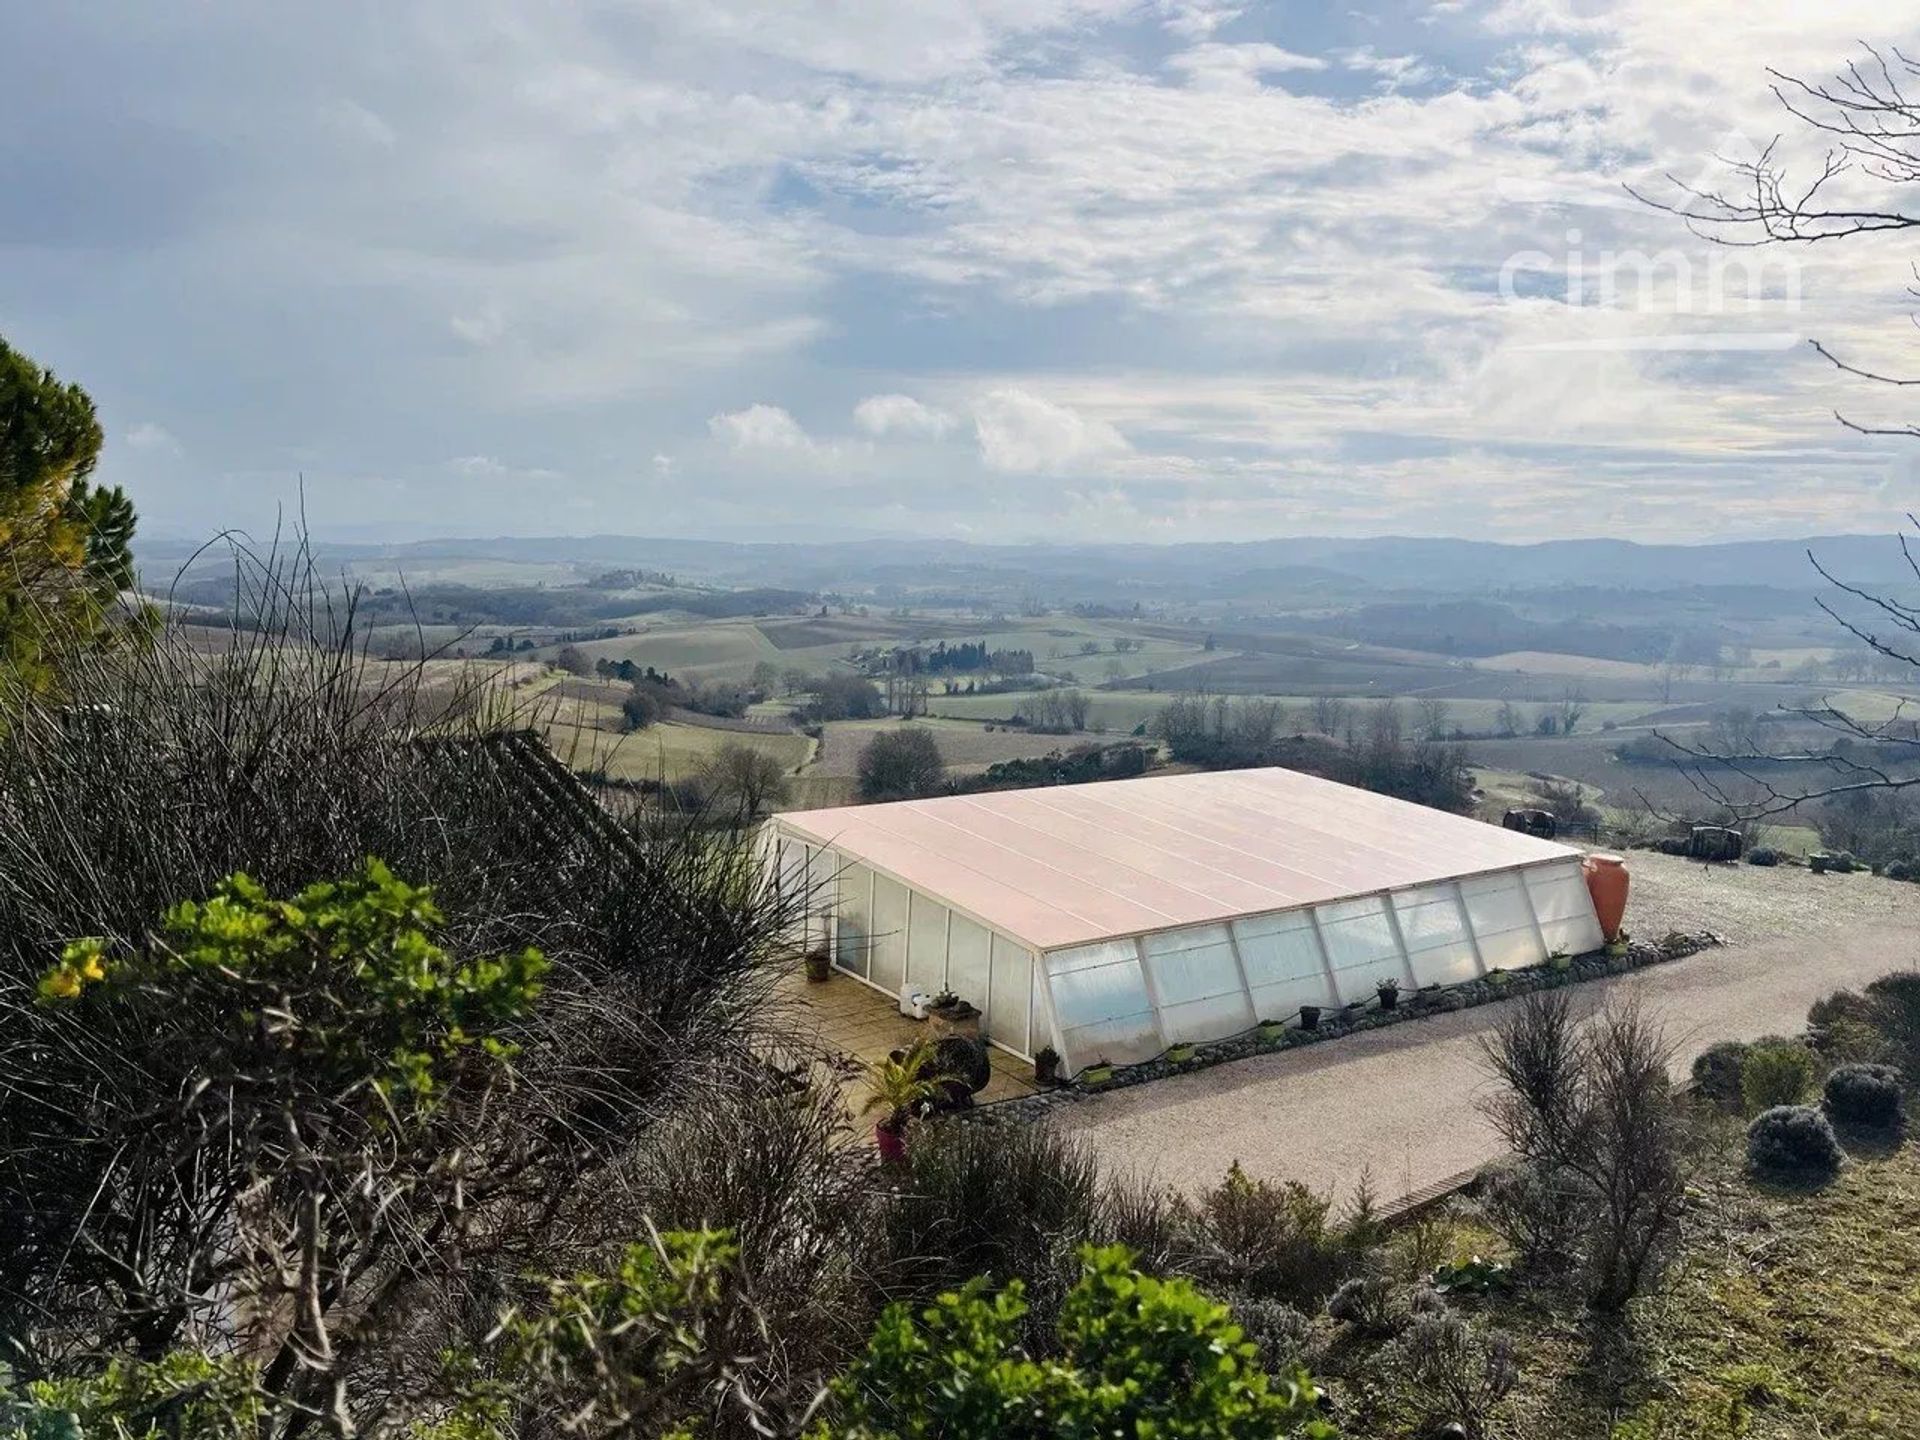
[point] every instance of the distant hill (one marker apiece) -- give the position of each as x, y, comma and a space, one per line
1299, 567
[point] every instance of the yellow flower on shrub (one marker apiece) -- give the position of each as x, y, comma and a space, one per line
81, 963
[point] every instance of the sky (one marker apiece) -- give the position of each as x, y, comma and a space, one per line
1002, 270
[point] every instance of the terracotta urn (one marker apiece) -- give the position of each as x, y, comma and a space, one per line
1607, 883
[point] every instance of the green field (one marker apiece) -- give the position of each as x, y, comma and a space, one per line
588, 736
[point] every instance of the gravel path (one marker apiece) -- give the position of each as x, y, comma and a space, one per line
1401, 1103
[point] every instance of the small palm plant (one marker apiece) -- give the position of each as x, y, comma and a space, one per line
902, 1088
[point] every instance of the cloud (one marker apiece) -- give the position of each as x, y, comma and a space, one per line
662, 466
482, 327
761, 428
881, 415
152, 439
1023, 434
490, 467
1223, 268
1238, 67
1393, 70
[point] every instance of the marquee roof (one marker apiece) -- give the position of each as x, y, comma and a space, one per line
1075, 864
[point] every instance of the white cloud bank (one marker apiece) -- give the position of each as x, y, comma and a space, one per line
1021, 433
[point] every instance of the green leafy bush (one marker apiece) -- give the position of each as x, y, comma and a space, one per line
1793, 1141
1763, 855
1716, 1072
1863, 1095
1138, 1357
641, 1344
1473, 1276
1774, 1073
184, 1394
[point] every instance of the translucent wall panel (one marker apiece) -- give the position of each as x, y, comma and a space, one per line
1284, 966
1100, 1004
1438, 944
927, 945
1502, 922
969, 962
1197, 982
1564, 907
1361, 946
1010, 996
889, 967
852, 949
790, 880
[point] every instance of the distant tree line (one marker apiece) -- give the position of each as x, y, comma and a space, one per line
944, 659
654, 692
1375, 752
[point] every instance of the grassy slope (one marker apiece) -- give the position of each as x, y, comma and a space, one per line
1787, 1315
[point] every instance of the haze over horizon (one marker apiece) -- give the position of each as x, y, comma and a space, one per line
1071, 270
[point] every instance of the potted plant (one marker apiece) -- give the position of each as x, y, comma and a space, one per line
1389, 992
1272, 1030
1309, 1017
1559, 960
948, 1014
1046, 1066
819, 965
1179, 1052
902, 1087
1618, 945
1498, 978
1098, 1073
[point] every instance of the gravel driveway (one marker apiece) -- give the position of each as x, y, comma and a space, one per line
1400, 1103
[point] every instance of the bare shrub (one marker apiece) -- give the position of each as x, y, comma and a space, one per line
1271, 1241
1456, 1371
1370, 1304
1003, 1201
1591, 1106
277, 746
1896, 1014
1532, 1213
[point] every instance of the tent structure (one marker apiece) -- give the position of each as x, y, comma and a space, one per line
1112, 920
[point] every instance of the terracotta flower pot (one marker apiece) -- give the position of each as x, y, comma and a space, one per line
1607, 883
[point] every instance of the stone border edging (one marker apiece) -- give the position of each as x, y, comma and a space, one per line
1415, 1005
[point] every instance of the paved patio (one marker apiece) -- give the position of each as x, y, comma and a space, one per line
859, 1027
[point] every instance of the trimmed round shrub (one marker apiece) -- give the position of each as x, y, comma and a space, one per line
1716, 1072
1763, 855
1368, 1304
1278, 1331
1840, 1005
1793, 1140
1775, 1073
1863, 1095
